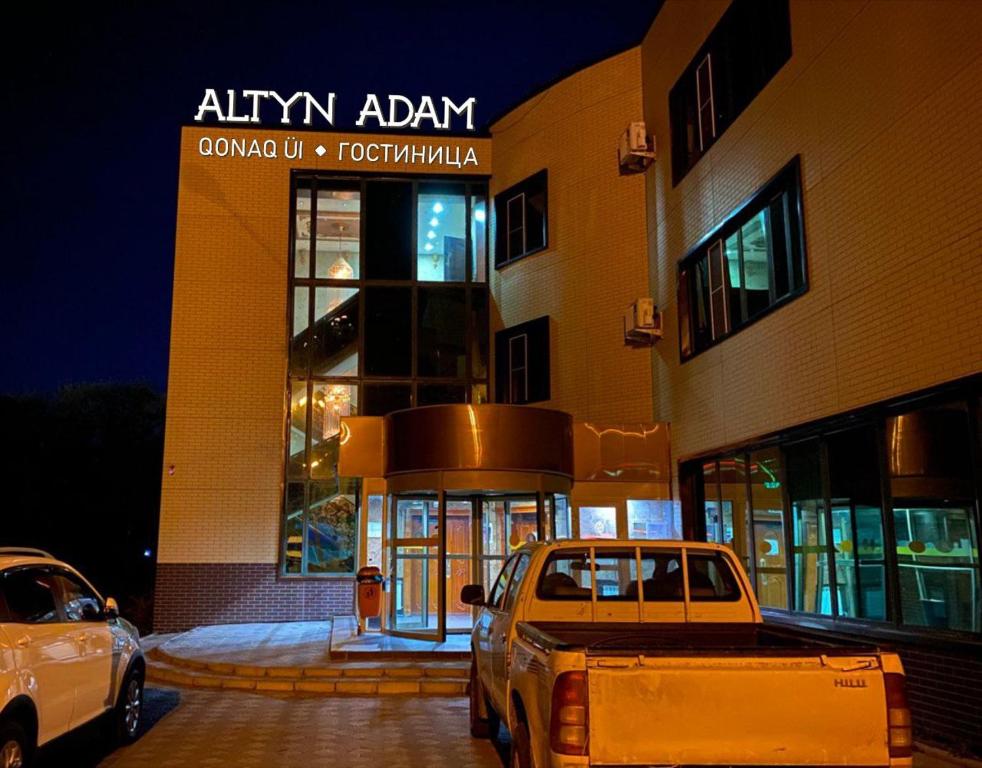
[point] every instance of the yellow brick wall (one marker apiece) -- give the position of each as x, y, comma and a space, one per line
226, 395
883, 101
595, 265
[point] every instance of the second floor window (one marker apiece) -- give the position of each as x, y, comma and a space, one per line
751, 263
522, 362
521, 219
751, 42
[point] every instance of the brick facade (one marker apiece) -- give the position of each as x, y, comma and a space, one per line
191, 594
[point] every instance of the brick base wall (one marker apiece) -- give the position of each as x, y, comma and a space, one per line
945, 693
191, 594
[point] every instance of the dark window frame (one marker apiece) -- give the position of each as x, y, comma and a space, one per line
536, 372
784, 189
521, 191
736, 74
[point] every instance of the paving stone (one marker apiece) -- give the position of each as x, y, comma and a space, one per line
356, 686
398, 686
247, 730
283, 686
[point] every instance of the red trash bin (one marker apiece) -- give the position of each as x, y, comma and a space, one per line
369, 581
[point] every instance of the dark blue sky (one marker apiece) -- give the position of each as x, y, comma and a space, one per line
92, 103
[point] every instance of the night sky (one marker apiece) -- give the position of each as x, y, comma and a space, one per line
93, 101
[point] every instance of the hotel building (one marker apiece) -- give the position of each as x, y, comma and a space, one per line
420, 364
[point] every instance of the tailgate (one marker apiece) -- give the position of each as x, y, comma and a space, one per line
733, 710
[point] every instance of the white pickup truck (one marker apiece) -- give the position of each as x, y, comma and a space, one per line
654, 653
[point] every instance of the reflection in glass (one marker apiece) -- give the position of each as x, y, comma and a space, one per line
598, 522
330, 403
479, 331
380, 399
298, 336
293, 528
334, 349
301, 233
766, 491
435, 394
857, 525
388, 230
338, 234
735, 518
442, 332
937, 552
812, 592
479, 238
459, 550
652, 519
298, 429
388, 331
564, 524
332, 526
441, 235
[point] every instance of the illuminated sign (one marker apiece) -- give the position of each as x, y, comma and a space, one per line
250, 106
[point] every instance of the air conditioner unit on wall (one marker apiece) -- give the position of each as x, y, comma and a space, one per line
637, 149
642, 323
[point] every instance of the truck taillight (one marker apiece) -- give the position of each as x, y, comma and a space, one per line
568, 727
898, 716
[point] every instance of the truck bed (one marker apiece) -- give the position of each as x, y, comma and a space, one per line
681, 639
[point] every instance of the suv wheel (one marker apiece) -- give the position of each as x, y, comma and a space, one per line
129, 708
14, 747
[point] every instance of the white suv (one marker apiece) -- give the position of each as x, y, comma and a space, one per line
66, 657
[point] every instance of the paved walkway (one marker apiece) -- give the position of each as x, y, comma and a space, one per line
297, 643
191, 728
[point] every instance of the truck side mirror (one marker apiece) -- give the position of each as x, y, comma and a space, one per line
472, 594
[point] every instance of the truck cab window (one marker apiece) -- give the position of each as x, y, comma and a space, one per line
711, 579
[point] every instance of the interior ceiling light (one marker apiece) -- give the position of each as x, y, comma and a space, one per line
437, 207
434, 222
479, 214
430, 235
428, 247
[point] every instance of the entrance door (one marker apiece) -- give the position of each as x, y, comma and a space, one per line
460, 562
416, 599
506, 524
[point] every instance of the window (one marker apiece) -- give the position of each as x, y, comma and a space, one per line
497, 598
652, 519
598, 522
749, 45
518, 575
373, 331
872, 516
77, 601
30, 596
522, 362
441, 233
521, 220
566, 576
752, 263
711, 579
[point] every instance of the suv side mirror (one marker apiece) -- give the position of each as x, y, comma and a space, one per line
472, 594
112, 609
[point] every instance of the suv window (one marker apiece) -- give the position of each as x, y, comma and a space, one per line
521, 568
29, 595
79, 602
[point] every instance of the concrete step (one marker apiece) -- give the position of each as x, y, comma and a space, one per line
447, 678
321, 681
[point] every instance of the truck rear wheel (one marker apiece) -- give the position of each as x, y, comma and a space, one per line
482, 725
521, 747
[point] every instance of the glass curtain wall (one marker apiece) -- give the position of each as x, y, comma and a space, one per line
876, 522
388, 310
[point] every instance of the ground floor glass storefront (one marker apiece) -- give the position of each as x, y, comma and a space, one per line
872, 518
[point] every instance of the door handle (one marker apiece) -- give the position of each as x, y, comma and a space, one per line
23, 642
